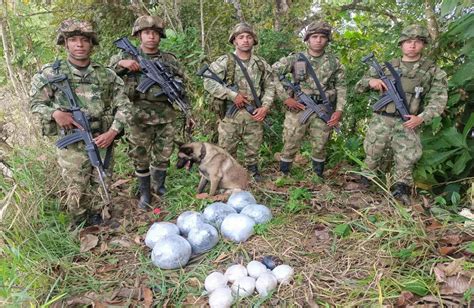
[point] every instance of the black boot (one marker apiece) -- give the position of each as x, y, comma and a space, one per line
253, 169
285, 167
401, 192
158, 178
318, 167
144, 190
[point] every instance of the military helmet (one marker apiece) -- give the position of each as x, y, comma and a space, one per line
318, 27
414, 32
146, 22
71, 27
242, 28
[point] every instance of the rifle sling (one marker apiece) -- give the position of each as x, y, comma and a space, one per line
312, 73
249, 81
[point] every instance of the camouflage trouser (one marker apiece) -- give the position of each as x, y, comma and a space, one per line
78, 175
150, 146
294, 132
241, 128
384, 132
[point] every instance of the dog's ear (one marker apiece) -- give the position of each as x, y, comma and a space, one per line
186, 150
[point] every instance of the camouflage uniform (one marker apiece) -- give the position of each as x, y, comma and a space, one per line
242, 127
386, 128
331, 75
101, 97
151, 127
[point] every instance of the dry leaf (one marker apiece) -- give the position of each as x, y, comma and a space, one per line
456, 285
452, 239
405, 298
137, 240
120, 242
147, 297
439, 274
446, 250
454, 267
433, 225
322, 233
103, 247
106, 268
119, 182
88, 242
221, 257
89, 230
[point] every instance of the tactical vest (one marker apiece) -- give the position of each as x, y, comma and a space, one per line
100, 78
415, 84
220, 106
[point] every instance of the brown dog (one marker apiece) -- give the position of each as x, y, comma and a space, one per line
215, 166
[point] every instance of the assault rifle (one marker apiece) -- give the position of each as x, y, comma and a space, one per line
61, 82
322, 110
394, 93
233, 109
156, 73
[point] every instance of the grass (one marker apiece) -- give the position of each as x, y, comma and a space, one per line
375, 250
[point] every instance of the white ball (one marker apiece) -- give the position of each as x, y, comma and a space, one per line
283, 273
215, 213
266, 283
189, 220
260, 213
159, 230
255, 269
240, 199
221, 298
215, 280
235, 272
203, 238
237, 227
170, 252
243, 287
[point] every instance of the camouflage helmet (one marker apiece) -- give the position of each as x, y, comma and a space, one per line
242, 28
149, 22
318, 27
71, 27
414, 32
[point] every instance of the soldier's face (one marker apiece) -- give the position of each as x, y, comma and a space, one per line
244, 42
317, 42
150, 38
79, 47
412, 47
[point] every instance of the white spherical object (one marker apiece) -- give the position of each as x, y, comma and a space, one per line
215, 280
170, 252
203, 238
159, 230
283, 273
260, 213
243, 287
221, 298
255, 269
266, 283
237, 227
240, 199
235, 272
189, 220
215, 213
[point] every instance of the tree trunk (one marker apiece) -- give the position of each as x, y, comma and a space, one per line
282, 7
201, 12
433, 27
6, 47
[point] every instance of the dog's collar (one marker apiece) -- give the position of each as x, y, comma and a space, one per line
203, 152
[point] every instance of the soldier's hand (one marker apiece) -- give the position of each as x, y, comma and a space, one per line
131, 65
413, 122
260, 114
293, 104
104, 140
240, 100
335, 118
65, 120
378, 85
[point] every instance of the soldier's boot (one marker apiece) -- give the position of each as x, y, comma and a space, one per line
158, 178
318, 168
401, 192
144, 190
253, 169
285, 167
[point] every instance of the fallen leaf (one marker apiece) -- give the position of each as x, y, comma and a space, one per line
439, 274
88, 242
446, 250
456, 285
89, 230
452, 239
134, 293
103, 247
221, 257
147, 297
119, 182
120, 242
454, 267
418, 208
107, 268
202, 196
137, 240
433, 225
322, 233
404, 299
98, 304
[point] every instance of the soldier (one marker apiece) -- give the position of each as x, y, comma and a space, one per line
151, 128
425, 87
258, 92
101, 97
330, 72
